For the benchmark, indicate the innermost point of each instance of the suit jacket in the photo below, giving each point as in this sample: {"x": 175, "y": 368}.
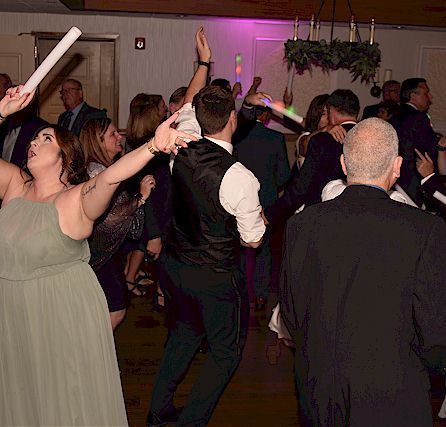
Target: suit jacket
{"x": 362, "y": 275}
{"x": 86, "y": 113}
{"x": 27, "y": 132}
{"x": 370, "y": 111}
{"x": 263, "y": 152}
{"x": 321, "y": 166}
{"x": 414, "y": 131}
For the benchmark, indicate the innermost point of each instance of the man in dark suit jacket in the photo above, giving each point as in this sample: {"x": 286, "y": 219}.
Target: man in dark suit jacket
{"x": 78, "y": 112}
{"x": 263, "y": 152}
{"x": 414, "y": 132}
{"x": 362, "y": 293}
{"x": 391, "y": 92}
{"x": 321, "y": 162}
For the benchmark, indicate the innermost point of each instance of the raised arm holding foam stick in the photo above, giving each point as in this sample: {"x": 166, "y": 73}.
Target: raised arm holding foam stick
{"x": 50, "y": 61}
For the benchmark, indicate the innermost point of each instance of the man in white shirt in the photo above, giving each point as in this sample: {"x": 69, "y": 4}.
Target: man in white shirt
{"x": 215, "y": 209}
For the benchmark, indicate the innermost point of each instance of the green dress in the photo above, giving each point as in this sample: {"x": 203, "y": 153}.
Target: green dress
{"x": 58, "y": 362}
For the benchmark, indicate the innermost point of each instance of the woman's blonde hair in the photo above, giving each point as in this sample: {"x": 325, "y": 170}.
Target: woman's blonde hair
{"x": 92, "y": 140}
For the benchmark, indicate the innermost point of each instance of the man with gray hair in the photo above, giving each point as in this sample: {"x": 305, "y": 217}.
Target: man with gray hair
{"x": 362, "y": 294}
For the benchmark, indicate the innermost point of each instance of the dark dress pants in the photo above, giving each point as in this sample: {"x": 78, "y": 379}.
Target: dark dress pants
{"x": 203, "y": 303}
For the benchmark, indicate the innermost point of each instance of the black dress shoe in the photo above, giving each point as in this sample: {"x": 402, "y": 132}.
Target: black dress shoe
{"x": 155, "y": 420}
{"x": 261, "y": 303}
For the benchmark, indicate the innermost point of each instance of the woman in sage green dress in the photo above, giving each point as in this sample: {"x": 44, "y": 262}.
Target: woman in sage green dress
{"x": 58, "y": 363}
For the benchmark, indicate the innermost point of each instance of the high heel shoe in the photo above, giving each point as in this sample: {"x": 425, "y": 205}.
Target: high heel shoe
{"x": 136, "y": 288}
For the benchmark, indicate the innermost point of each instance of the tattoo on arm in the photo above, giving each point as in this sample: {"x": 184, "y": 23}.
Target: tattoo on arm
{"x": 88, "y": 189}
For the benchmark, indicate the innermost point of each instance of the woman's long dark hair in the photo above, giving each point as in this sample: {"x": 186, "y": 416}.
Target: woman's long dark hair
{"x": 73, "y": 157}
{"x": 315, "y": 111}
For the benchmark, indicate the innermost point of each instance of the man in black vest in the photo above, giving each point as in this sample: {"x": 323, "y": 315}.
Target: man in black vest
{"x": 215, "y": 209}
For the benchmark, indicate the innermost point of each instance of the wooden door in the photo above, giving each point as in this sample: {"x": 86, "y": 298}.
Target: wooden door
{"x": 92, "y": 62}
{"x": 17, "y": 57}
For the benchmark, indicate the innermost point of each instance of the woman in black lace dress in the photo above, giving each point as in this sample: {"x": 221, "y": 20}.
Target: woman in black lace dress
{"x": 102, "y": 144}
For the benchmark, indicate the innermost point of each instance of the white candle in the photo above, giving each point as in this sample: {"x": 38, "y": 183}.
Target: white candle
{"x": 318, "y": 26}
{"x": 45, "y": 67}
{"x": 376, "y": 76}
{"x": 372, "y": 31}
{"x": 279, "y": 108}
{"x": 352, "y": 36}
{"x": 296, "y": 28}
{"x": 387, "y": 75}
{"x": 312, "y": 28}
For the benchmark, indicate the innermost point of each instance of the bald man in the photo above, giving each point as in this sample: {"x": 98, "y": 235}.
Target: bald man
{"x": 362, "y": 294}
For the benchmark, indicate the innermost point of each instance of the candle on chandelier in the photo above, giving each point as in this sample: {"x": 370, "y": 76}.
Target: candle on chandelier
{"x": 312, "y": 28}
{"x": 238, "y": 67}
{"x": 372, "y": 32}
{"x": 296, "y": 28}
{"x": 318, "y": 27}
{"x": 352, "y": 34}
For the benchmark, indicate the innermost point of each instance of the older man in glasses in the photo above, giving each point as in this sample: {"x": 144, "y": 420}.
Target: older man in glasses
{"x": 78, "y": 112}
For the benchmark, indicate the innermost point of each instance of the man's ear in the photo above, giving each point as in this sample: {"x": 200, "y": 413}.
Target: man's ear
{"x": 344, "y": 169}
{"x": 397, "y": 166}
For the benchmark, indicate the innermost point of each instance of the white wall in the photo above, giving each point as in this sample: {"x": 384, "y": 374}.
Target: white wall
{"x": 167, "y": 62}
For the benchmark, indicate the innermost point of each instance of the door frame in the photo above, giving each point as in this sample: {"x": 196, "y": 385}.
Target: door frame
{"x": 40, "y": 35}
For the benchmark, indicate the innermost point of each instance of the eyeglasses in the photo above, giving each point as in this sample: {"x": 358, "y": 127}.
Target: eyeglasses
{"x": 68, "y": 89}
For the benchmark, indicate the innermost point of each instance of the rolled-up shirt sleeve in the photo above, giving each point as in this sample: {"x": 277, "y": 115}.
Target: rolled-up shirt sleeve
{"x": 187, "y": 121}
{"x": 239, "y": 196}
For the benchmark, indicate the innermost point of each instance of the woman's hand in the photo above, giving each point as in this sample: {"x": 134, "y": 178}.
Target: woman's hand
{"x": 169, "y": 140}
{"x": 338, "y": 133}
{"x": 154, "y": 247}
{"x": 146, "y": 186}
{"x": 13, "y": 101}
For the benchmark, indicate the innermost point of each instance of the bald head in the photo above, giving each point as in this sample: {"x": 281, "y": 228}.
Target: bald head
{"x": 370, "y": 150}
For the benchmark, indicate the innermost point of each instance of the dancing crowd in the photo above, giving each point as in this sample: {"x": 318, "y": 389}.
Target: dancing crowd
{"x": 197, "y": 187}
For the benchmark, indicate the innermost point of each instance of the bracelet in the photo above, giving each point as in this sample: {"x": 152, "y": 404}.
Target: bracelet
{"x": 141, "y": 200}
{"x": 152, "y": 149}
{"x": 441, "y": 148}
{"x": 206, "y": 64}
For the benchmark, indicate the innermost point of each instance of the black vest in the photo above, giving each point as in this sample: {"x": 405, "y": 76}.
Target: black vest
{"x": 202, "y": 231}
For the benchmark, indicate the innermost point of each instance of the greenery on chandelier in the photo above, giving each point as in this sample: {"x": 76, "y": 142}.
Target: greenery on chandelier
{"x": 361, "y": 58}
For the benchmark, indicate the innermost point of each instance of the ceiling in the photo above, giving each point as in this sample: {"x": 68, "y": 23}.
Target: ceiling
{"x": 426, "y": 13}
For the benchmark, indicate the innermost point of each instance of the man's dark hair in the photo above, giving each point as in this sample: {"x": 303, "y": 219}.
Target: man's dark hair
{"x": 344, "y": 101}
{"x": 389, "y": 83}
{"x": 409, "y": 86}
{"x": 7, "y": 79}
{"x": 178, "y": 95}
{"x": 225, "y": 84}
{"x": 213, "y": 106}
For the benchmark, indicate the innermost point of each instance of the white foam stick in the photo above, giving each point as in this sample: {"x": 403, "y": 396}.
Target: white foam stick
{"x": 440, "y": 197}
{"x": 50, "y": 61}
{"x": 278, "y": 108}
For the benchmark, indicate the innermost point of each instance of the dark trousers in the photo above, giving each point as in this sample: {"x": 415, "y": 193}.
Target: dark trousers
{"x": 204, "y": 303}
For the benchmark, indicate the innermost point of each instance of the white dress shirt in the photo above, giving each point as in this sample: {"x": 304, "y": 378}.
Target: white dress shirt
{"x": 239, "y": 187}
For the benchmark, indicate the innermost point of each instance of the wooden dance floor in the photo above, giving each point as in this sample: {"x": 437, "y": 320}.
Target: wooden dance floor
{"x": 260, "y": 394}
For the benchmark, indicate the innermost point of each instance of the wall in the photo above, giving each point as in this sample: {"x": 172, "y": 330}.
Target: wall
{"x": 167, "y": 62}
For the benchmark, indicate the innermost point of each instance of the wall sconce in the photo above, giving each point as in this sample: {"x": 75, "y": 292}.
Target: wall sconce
{"x": 376, "y": 90}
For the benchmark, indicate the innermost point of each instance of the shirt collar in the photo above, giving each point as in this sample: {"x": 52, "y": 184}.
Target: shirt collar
{"x": 413, "y": 106}
{"x": 223, "y": 144}
{"x": 349, "y": 122}
{"x": 76, "y": 109}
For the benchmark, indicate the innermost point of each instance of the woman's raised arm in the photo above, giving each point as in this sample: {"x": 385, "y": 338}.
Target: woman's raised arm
{"x": 10, "y": 104}
{"x": 98, "y": 191}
